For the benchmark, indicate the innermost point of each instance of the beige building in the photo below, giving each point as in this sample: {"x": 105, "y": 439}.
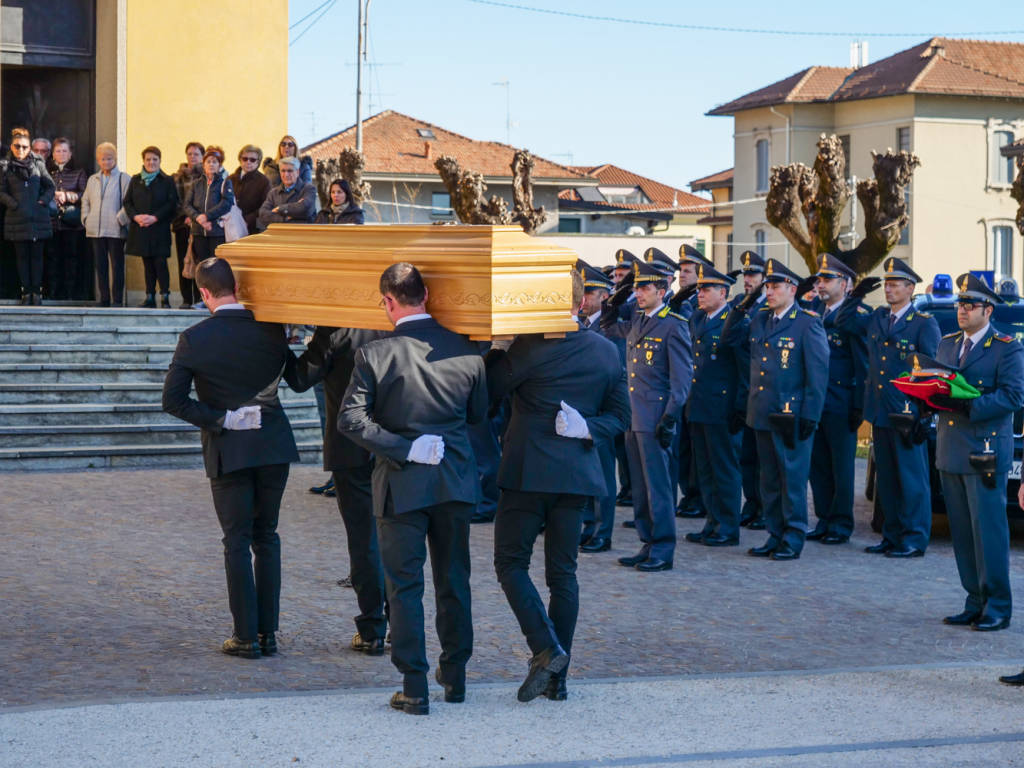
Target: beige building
{"x": 719, "y": 186}
{"x": 953, "y": 103}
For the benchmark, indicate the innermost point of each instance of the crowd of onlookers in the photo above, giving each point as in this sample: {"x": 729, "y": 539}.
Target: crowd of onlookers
{"x": 69, "y": 232}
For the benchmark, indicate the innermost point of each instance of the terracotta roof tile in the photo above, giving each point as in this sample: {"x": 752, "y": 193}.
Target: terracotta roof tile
{"x": 661, "y": 195}
{"x": 714, "y": 181}
{"x": 807, "y": 85}
{"x": 392, "y": 144}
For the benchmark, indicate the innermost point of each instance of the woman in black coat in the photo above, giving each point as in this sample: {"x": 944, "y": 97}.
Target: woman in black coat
{"x": 341, "y": 210}
{"x": 64, "y": 267}
{"x": 151, "y": 203}
{"x": 26, "y": 192}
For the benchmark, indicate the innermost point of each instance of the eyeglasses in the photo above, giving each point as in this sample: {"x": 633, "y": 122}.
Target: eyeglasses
{"x": 20, "y": 146}
{"x": 287, "y": 143}
{"x": 250, "y": 159}
{"x": 969, "y": 306}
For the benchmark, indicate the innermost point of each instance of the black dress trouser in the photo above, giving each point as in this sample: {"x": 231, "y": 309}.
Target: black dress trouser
{"x": 404, "y": 540}
{"x": 248, "y": 502}
{"x": 108, "y": 253}
{"x": 189, "y": 292}
{"x": 30, "y": 265}
{"x": 354, "y": 493}
{"x": 521, "y": 515}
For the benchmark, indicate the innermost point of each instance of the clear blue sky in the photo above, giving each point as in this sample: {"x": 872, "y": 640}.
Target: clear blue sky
{"x": 610, "y": 92}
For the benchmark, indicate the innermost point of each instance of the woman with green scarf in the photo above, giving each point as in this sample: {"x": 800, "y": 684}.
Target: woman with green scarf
{"x": 151, "y": 202}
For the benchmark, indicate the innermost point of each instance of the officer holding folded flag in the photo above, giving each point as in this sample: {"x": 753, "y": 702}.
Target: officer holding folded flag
{"x": 788, "y": 379}
{"x": 974, "y": 452}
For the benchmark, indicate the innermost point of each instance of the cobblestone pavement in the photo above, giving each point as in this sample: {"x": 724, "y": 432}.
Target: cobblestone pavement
{"x": 113, "y": 587}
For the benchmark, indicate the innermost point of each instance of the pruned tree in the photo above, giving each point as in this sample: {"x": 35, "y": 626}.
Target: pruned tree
{"x": 348, "y": 165}
{"x": 523, "y": 213}
{"x": 467, "y": 192}
{"x": 1017, "y": 192}
{"x": 806, "y": 204}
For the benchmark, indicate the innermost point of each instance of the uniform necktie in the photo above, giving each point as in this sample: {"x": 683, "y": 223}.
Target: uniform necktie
{"x": 775, "y": 322}
{"x": 967, "y": 348}
{"x": 892, "y": 321}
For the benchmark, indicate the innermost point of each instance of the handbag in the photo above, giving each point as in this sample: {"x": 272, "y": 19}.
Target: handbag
{"x": 69, "y": 216}
{"x": 233, "y": 224}
{"x": 188, "y": 268}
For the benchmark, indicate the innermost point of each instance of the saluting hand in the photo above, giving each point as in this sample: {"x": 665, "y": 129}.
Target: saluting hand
{"x": 864, "y": 287}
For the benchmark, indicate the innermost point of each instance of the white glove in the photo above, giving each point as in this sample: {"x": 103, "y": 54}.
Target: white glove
{"x": 569, "y": 423}
{"x": 246, "y": 417}
{"x": 427, "y": 449}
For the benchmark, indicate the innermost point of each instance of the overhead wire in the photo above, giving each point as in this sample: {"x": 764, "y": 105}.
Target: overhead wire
{"x": 329, "y": 4}
{"x": 293, "y": 26}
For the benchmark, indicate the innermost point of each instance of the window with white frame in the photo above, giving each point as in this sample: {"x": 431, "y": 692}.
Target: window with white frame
{"x": 763, "y": 164}
{"x": 1002, "y": 167}
{"x": 903, "y": 138}
{"x": 759, "y": 242}
{"x": 1002, "y": 250}
{"x": 728, "y": 253}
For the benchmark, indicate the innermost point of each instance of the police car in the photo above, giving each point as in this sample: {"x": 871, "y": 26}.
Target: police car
{"x": 1008, "y": 318}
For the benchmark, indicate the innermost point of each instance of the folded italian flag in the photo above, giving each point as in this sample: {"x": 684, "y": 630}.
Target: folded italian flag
{"x": 933, "y": 378}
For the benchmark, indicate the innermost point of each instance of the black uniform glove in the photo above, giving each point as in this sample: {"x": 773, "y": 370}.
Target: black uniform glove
{"x": 735, "y": 274}
{"x": 805, "y": 285}
{"x": 748, "y": 301}
{"x": 665, "y": 431}
{"x": 621, "y": 293}
{"x": 807, "y": 427}
{"x": 737, "y": 421}
{"x": 677, "y": 300}
{"x": 958, "y": 404}
{"x": 920, "y": 431}
{"x": 864, "y": 287}
{"x": 855, "y": 419}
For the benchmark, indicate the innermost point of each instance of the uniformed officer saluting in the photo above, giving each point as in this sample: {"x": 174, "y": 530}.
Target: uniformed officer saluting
{"x": 788, "y": 370}
{"x": 719, "y": 390}
{"x": 658, "y": 359}
{"x": 835, "y": 442}
{"x": 974, "y": 451}
{"x": 892, "y": 335}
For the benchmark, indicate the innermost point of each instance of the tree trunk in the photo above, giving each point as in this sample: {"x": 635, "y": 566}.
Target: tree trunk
{"x": 524, "y": 214}
{"x": 466, "y": 190}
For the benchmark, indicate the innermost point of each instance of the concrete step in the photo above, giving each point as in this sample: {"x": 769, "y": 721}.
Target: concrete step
{"x": 104, "y": 435}
{"x": 162, "y": 456}
{"x": 100, "y": 392}
{"x": 76, "y": 334}
{"x": 86, "y": 353}
{"x": 76, "y": 373}
{"x": 87, "y": 317}
{"x": 74, "y": 414}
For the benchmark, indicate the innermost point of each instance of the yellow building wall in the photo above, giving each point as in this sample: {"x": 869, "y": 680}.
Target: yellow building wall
{"x": 214, "y": 72}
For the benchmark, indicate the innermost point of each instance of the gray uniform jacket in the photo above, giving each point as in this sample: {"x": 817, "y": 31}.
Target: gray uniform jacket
{"x": 584, "y": 370}
{"x": 421, "y": 380}
{"x": 995, "y": 367}
{"x": 659, "y": 366}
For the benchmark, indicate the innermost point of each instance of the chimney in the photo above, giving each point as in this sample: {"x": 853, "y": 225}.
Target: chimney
{"x": 426, "y": 149}
{"x": 859, "y": 54}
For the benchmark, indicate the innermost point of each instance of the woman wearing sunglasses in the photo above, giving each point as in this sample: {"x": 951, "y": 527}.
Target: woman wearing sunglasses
{"x": 251, "y": 186}
{"x": 288, "y": 147}
{"x": 26, "y": 192}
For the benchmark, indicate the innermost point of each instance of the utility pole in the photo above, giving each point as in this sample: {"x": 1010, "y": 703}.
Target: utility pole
{"x": 363, "y": 21}
{"x": 507, "y": 85}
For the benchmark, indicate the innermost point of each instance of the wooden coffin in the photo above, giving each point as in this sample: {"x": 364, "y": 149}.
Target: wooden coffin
{"x": 483, "y": 281}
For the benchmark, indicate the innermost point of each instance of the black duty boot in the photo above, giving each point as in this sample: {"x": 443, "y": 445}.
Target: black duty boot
{"x": 26, "y": 299}
{"x": 165, "y": 300}
{"x": 150, "y": 302}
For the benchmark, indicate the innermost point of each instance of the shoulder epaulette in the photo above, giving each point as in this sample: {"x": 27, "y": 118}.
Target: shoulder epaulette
{"x": 676, "y": 315}
{"x": 1002, "y": 337}
{"x": 863, "y": 311}
{"x": 665, "y": 311}
{"x": 764, "y": 309}
{"x": 810, "y": 312}
{"x": 925, "y": 315}
{"x": 951, "y": 335}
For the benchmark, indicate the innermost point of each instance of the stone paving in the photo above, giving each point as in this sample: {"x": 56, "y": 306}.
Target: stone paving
{"x": 113, "y": 588}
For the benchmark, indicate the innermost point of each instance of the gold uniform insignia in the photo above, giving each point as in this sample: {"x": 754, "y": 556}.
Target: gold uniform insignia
{"x": 890, "y": 265}
{"x": 963, "y": 285}
{"x": 824, "y": 261}
{"x": 746, "y": 260}
{"x": 917, "y": 364}
{"x": 700, "y": 272}
{"x": 770, "y": 263}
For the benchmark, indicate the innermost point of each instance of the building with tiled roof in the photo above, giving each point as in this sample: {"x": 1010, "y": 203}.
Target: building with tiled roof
{"x": 400, "y": 152}
{"x": 954, "y": 103}
{"x": 719, "y": 218}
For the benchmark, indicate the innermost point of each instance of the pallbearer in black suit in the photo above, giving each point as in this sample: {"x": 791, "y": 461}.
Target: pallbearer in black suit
{"x": 409, "y": 401}
{"x": 330, "y": 357}
{"x": 623, "y": 267}
{"x": 719, "y": 390}
{"x": 835, "y": 442}
{"x": 974, "y": 451}
{"x": 599, "y": 512}
{"x": 568, "y": 401}
{"x": 658, "y": 360}
{"x": 752, "y": 516}
{"x": 788, "y": 378}
{"x": 899, "y": 430}
{"x": 236, "y": 364}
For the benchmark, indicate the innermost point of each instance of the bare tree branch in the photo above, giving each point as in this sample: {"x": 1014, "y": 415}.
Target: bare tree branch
{"x": 524, "y": 214}
{"x": 466, "y": 190}
{"x": 783, "y": 205}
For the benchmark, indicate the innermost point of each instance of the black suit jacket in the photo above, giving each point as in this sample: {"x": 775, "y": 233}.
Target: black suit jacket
{"x": 421, "y": 380}
{"x": 584, "y": 370}
{"x": 330, "y": 358}
{"x": 234, "y": 361}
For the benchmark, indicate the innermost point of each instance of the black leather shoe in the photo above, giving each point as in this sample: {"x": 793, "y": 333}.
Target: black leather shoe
{"x": 452, "y": 694}
{"x": 962, "y": 619}
{"x": 986, "y": 623}
{"x": 373, "y": 647}
{"x": 691, "y": 512}
{"x": 904, "y": 553}
{"x": 556, "y": 690}
{"x": 409, "y": 705}
{"x": 757, "y": 524}
{"x": 784, "y": 552}
{"x": 697, "y": 537}
{"x": 246, "y": 649}
{"x": 597, "y": 544}
{"x": 629, "y": 523}
{"x": 330, "y": 493}
{"x": 346, "y": 582}
{"x": 1012, "y": 679}
{"x": 319, "y": 489}
{"x": 817, "y": 535}
{"x": 268, "y": 644}
{"x": 585, "y": 537}
{"x": 623, "y": 501}
{"x": 718, "y": 540}
{"x": 631, "y": 561}
{"x": 766, "y": 549}
{"x": 835, "y": 538}
{"x": 880, "y": 548}
{"x": 652, "y": 564}
{"x": 545, "y": 665}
